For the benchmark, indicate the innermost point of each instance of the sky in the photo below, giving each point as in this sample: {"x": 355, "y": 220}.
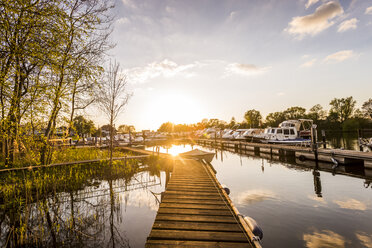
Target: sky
{"x": 186, "y": 60}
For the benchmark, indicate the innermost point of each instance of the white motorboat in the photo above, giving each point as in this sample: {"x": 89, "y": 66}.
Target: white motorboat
{"x": 250, "y": 133}
{"x": 228, "y": 134}
{"x": 198, "y": 155}
{"x": 303, "y": 126}
{"x": 365, "y": 144}
{"x": 238, "y": 134}
{"x": 282, "y": 135}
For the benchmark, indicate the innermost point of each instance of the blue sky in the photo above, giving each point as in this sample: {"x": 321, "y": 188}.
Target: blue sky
{"x": 193, "y": 59}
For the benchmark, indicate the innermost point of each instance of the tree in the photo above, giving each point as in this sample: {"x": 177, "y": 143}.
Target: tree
{"x": 126, "y": 128}
{"x": 113, "y": 97}
{"x": 294, "y": 113}
{"x": 317, "y": 113}
{"x": 166, "y": 127}
{"x": 253, "y": 118}
{"x": 342, "y": 108}
{"x": 232, "y": 122}
{"x": 83, "y": 126}
{"x": 274, "y": 119}
{"x": 367, "y": 108}
{"x": 83, "y": 43}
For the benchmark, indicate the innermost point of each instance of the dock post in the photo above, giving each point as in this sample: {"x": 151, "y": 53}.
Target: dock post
{"x": 324, "y": 139}
{"x": 359, "y": 139}
{"x": 314, "y": 141}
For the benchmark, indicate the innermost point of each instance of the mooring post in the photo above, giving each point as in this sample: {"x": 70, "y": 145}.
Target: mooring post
{"x": 324, "y": 139}
{"x": 215, "y": 138}
{"x": 314, "y": 141}
{"x": 359, "y": 139}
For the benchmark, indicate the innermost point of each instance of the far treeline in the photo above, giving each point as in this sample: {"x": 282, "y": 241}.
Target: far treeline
{"x": 342, "y": 116}
{"x": 52, "y": 65}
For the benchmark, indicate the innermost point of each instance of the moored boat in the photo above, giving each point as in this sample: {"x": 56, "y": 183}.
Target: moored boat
{"x": 198, "y": 155}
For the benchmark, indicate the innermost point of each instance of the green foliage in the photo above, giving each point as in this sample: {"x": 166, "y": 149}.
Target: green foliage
{"x": 342, "y": 108}
{"x": 274, "y": 119}
{"x": 294, "y": 113}
{"x": 50, "y": 59}
{"x": 253, "y": 118}
{"x": 126, "y": 129}
{"x": 367, "y": 108}
{"x": 317, "y": 113}
{"x": 83, "y": 126}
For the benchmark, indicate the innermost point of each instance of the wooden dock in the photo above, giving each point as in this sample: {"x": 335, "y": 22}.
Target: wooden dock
{"x": 325, "y": 155}
{"x": 195, "y": 210}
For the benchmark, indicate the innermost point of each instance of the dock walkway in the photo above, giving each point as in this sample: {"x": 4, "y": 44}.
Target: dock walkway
{"x": 195, "y": 211}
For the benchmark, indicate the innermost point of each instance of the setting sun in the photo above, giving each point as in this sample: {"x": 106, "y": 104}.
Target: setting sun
{"x": 173, "y": 107}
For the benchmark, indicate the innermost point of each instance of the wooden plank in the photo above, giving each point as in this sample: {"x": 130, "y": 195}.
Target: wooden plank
{"x": 198, "y": 235}
{"x": 182, "y": 225}
{"x": 196, "y": 206}
{"x": 190, "y": 193}
{"x": 194, "y": 201}
{"x": 192, "y": 189}
{"x": 219, "y": 212}
{"x": 191, "y": 184}
{"x": 194, "y": 181}
{"x": 201, "y": 244}
{"x": 195, "y": 218}
{"x": 194, "y": 196}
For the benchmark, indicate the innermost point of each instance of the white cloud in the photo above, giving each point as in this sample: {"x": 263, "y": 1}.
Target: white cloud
{"x": 245, "y": 69}
{"x": 348, "y": 24}
{"x": 165, "y": 68}
{"x": 315, "y": 23}
{"x": 339, "y": 56}
{"x": 309, "y": 63}
{"x": 311, "y": 2}
{"x": 232, "y": 16}
{"x": 368, "y": 11}
{"x": 123, "y": 21}
{"x": 170, "y": 10}
{"x": 129, "y": 3}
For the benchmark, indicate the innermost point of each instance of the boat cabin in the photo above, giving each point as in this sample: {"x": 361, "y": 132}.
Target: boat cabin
{"x": 281, "y": 133}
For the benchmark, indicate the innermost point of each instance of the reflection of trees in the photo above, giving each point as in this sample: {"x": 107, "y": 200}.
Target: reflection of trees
{"x": 73, "y": 206}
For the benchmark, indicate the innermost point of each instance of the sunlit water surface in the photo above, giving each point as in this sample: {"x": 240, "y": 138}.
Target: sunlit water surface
{"x": 296, "y": 206}
{"x": 111, "y": 213}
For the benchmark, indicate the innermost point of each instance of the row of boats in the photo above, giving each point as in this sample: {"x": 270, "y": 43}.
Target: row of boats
{"x": 288, "y": 132}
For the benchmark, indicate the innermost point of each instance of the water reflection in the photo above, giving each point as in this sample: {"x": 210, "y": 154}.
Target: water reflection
{"x": 365, "y": 239}
{"x": 351, "y": 204}
{"x": 84, "y": 206}
{"x": 317, "y": 182}
{"x": 298, "y": 203}
{"x": 324, "y": 238}
{"x": 254, "y": 196}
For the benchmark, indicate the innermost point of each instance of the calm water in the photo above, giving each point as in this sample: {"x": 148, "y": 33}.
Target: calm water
{"x": 295, "y": 205}
{"x": 298, "y": 206}
{"x": 116, "y": 211}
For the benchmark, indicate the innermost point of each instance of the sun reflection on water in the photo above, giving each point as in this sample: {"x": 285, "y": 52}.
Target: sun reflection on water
{"x": 174, "y": 150}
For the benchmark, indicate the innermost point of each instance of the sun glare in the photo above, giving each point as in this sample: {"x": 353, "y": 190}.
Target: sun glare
{"x": 176, "y": 108}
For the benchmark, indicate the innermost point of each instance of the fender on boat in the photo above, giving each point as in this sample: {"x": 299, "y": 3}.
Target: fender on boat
{"x": 255, "y": 228}
{"x": 227, "y": 190}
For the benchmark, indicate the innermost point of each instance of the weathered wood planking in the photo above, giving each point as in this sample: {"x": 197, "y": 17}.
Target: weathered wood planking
{"x": 194, "y": 212}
